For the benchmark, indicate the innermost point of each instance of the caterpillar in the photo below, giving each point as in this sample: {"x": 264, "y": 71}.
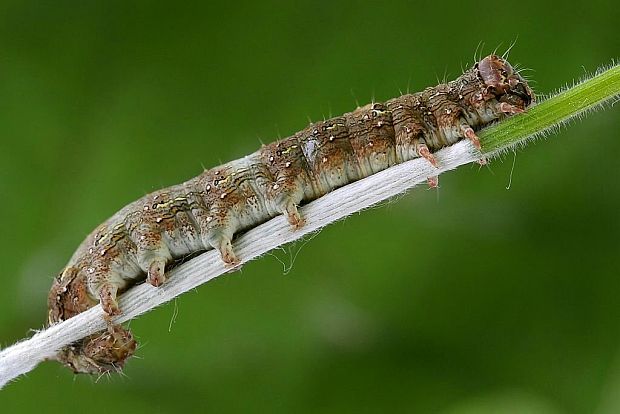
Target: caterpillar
{"x": 142, "y": 239}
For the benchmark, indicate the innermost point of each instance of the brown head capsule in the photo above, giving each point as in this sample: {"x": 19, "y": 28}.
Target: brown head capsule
{"x": 504, "y": 83}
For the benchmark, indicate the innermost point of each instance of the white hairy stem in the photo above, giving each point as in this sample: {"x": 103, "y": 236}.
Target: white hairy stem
{"x": 588, "y": 95}
{"x": 22, "y": 357}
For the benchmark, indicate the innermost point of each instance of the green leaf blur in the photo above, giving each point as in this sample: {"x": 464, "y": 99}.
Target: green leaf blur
{"x": 467, "y": 299}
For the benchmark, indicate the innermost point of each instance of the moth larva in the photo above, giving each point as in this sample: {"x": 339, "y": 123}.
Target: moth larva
{"x": 206, "y": 211}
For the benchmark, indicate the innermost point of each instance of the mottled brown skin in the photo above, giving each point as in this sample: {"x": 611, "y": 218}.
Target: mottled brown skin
{"x": 98, "y": 353}
{"x": 206, "y": 211}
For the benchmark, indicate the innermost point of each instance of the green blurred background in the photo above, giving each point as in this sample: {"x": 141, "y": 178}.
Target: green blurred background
{"x": 469, "y": 299}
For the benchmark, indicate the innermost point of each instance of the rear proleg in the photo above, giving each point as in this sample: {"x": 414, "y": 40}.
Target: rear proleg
{"x": 152, "y": 255}
{"x": 286, "y": 196}
{"x": 221, "y": 240}
{"x": 107, "y": 297}
{"x": 290, "y": 211}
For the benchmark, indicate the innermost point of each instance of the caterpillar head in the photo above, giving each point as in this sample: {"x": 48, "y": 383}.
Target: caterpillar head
{"x": 504, "y": 83}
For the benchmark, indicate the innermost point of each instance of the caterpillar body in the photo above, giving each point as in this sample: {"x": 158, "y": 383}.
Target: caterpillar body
{"x": 205, "y": 212}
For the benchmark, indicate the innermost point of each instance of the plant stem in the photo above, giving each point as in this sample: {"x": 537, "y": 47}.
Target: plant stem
{"x": 553, "y": 112}
{"x": 604, "y": 87}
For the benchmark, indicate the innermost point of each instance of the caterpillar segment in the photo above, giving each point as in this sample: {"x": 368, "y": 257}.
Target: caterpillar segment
{"x": 206, "y": 212}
